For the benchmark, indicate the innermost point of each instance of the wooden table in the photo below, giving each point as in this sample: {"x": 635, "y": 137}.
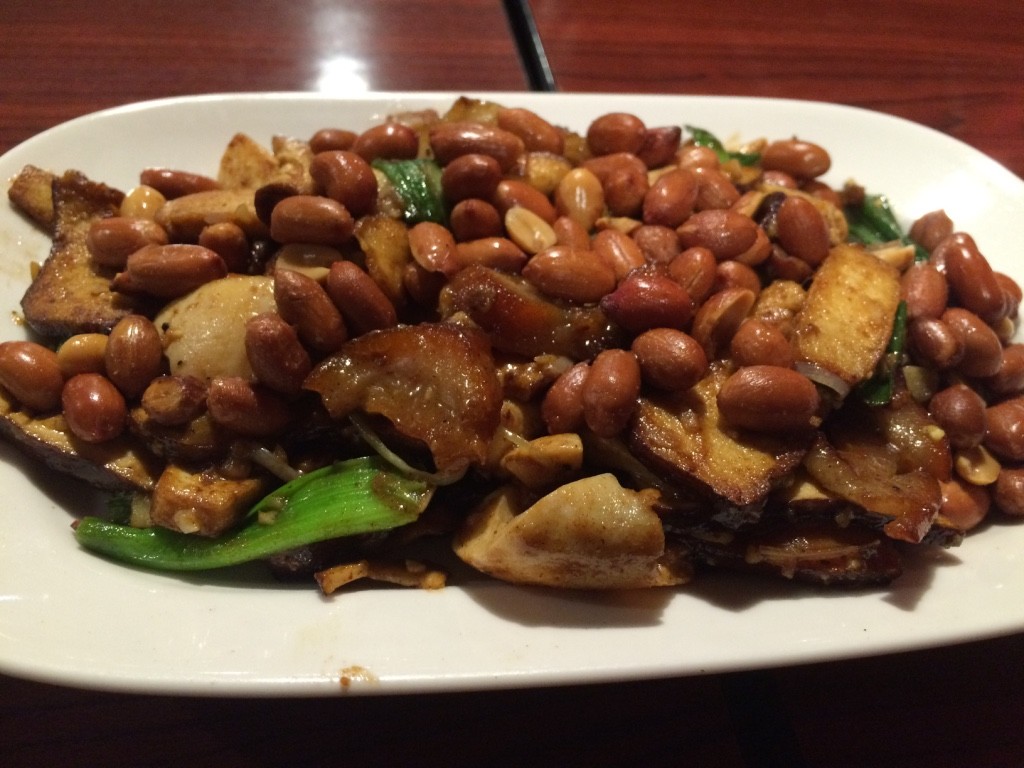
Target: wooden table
{"x": 950, "y": 65}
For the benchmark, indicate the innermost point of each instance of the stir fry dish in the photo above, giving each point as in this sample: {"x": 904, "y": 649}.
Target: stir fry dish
{"x": 612, "y": 356}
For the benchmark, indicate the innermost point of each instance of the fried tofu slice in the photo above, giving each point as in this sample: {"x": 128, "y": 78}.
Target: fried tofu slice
{"x": 847, "y": 318}
{"x": 31, "y": 192}
{"x": 71, "y": 293}
{"x": 202, "y": 502}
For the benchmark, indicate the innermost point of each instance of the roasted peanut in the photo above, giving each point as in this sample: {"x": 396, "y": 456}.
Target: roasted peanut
{"x": 472, "y": 218}
{"x": 610, "y": 391}
{"x": 570, "y": 232}
{"x": 768, "y": 398}
{"x": 934, "y": 342}
{"x": 960, "y": 411}
{"x": 1012, "y": 293}
{"x": 670, "y": 200}
{"x": 134, "y": 355}
{"x": 332, "y": 139}
{"x": 470, "y": 176}
{"x": 174, "y": 400}
{"x": 304, "y": 303}
{"x": 513, "y": 193}
{"x": 624, "y": 182}
{"x": 781, "y": 266}
{"x": 390, "y": 140}
{"x": 538, "y": 134}
{"x": 1005, "y": 423}
{"x": 800, "y": 159}
{"x": 230, "y": 242}
{"x": 983, "y": 351}
{"x": 694, "y": 156}
{"x": 246, "y": 409}
{"x": 169, "y": 271}
{"x": 616, "y": 132}
{"x": 931, "y": 229}
{"x": 313, "y": 261}
{"x": 1008, "y": 491}
{"x": 311, "y": 219}
{"x": 93, "y": 407}
{"x": 571, "y": 274}
{"x": 714, "y": 190}
{"x": 31, "y": 373}
{"x": 562, "y": 407}
{"x": 734, "y": 274}
{"x": 580, "y": 196}
{"x": 494, "y": 252}
{"x": 669, "y": 359}
{"x": 925, "y": 290}
{"x": 346, "y": 177}
{"x": 277, "y": 357}
{"x": 695, "y": 270}
{"x": 113, "y": 239}
{"x": 528, "y": 230}
{"x": 82, "y": 353}
{"x": 963, "y": 505}
{"x": 363, "y": 305}
{"x": 976, "y": 465}
{"x": 172, "y": 183}
{"x": 802, "y": 230}
{"x": 659, "y": 145}
{"x": 141, "y": 202}
{"x": 725, "y": 233}
{"x": 658, "y": 244}
{"x": 971, "y": 279}
{"x": 433, "y": 247}
{"x": 619, "y": 250}
{"x": 1009, "y": 379}
{"x": 648, "y": 298}
{"x": 450, "y": 140}
{"x": 718, "y": 319}
{"x": 757, "y": 342}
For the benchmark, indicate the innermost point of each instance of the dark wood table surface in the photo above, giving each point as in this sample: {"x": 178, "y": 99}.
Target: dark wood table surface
{"x": 954, "y": 66}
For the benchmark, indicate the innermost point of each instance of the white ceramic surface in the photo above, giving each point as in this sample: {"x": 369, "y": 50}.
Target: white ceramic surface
{"x": 70, "y": 617}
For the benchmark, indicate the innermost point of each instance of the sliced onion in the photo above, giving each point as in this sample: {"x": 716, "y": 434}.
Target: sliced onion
{"x": 374, "y": 441}
{"x": 826, "y": 378}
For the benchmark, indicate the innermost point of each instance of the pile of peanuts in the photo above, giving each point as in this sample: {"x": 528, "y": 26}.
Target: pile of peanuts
{"x": 672, "y": 244}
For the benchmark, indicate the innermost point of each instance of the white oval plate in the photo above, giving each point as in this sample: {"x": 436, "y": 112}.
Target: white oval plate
{"x": 70, "y": 617}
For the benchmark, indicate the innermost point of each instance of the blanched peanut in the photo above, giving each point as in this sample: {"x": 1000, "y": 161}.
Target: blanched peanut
{"x": 472, "y": 218}
{"x": 142, "y": 202}
{"x": 169, "y": 271}
{"x": 304, "y": 303}
{"x": 112, "y": 240}
{"x": 734, "y": 274}
{"x": 82, "y": 353}
{"x": 767, "y": 398}
{"x": 1009, "y": 379}
{"x": 230, "y": 242}
{"x": 971, "y": 279}
{"x": 246, "y": 409}
{"x": 963, "y": 505}
{"x": 31, "y": 373}
{"x": 802, "y": 230}
{"x": 580, "y": 196}
{"x": 275, "y": 353}
{"x": 725, "y": 233}
{"x": 657, "y": 243}
{"x": 670, "y": 200}
{"x": 659, "y": 145}
{"x": 960, "y": 411}
{"x": 538, "y": 134}
{"x": 528, "y": 230}
{"x": 619, "y": 250}
{"x": 450, "y": 140}
{"x": 433, "y": 248}
{"x": 470, "y": 176}
{"x": 172, "y": 183}
{"x": 616, "y": 132}
{"x": 718, "y": 319}
{"x": 572, "y": 274}
{"x": 648, "y": 298}
{"x": 800, "y": 159}
{"x": 669, "y": 359}
{"x": 363, "y": 304}
{"x": 976, "y": 465}
{"x": 983, "y": 352}
{"x": 330, "y": 139}
{"x": 695, "y": 270}
{"x": 1008, "y": 492}
{"x": 562, "y": 407}
{"x": 390, "y": 141}
{"x": 610, "y": 391}
{"x": 311, "y": 219}
{"x": 134, "y": 354}
{"x": 347, "y": 178}
{"x": 925, "y": 290}
{"x": 94, "y": 409}
{"x": 757, "y": 342}
{"x": 934, "y": 342}
{"x": 931, "y": 229}
{"x": 714, "y": 190}
{"x": 174, "y": 400}
{"x": 513, "y": 193}
{"x": 1005, "y": 435}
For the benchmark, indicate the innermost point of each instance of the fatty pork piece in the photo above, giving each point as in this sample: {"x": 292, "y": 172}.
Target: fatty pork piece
{"x": 436, "y": 383}
{"x": 588, "y": 534}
